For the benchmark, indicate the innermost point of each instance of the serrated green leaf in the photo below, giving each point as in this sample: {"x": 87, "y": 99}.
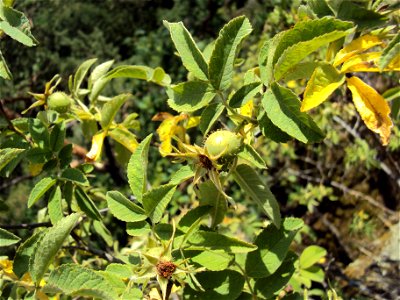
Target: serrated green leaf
{"x": 253, "y": 186}
{"x": 269, "y": 130}
{"x": 39, "y": 133}
{"x": 86, "y": 204}
{"x": 251, "y": 155}
{"x": 225, "y": 50}
{"x": 7, "y": 155}
{"x": 302, "y": 70}
{"x": 4, "y": 70}
{"x": 49, "y": 245}
{"x": 390, "y": 52}
{"x": 65, "y": 156}
{"x": 211, "y": 196}
{"x": 123, "y": 136}
{"x": 270, "y": 286}
{"x": 244, "y": 94}
{"x": 209, "y": 116}
{"x": 18, "y": 20}
{"x": 207, "y": 240}
{"x": 311, "y": 255}
{"x": 75, "y": 176}
{"x": 103, "y": 232}
{"x": 189, "y": 96}
{"x": 55, "y": 205}
{"x": 57, "y": 137}
{"x": 221, "y": 285}
{"x": 191, "y": 56}
{"x": 110, "y": 109}
{"x": 323, "y": 82}
{"x": 156, "y": 200}
{"x": 123, "y": 209}
{"x": 216, "y": 260}
{"x": 137, "y": 168}
{"x": 7, "y": 238}
{"x": 304, "y": 38}
{"x": 273, "y": 245}
{"x": 38, "y": 155}
{"x": 24, "y": 252}
{"x": 283, "y": 109}
{"x": 320, "y": 8}
{"x": 183, "y": 174}
{"x": 40, "y": 189}
{"x": 16, "y": 34}
{"x": 76, "y": 280}
{"x": 81, "y": 73}
{"x": 121, "y": 270}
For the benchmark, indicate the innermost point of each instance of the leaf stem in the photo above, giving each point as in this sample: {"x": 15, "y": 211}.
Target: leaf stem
{"x": 234, "y": 112}
{"x": 246, "y": 278}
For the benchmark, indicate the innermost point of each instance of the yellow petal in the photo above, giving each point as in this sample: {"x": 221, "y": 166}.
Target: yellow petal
{"x": 361, "y": 44}
{"x": 323, "y": 82}
{"x": 372, "y": 107}
{"x": 368, "y": 62}
{"x": 97, "y": 146}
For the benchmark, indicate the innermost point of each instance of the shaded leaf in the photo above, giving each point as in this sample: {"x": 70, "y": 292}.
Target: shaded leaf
{"x": 57, "y": 137}
{"x": 251, "y": 155}
{"x": 86, "y": 204}
{"x": 4, "y": 70}
{"x": 269, "y": 130}
{"x": 253, "y": 186}
{"x": 273, "y": 245}
{"x": 372, "y": 107}
{"x": 74, "y": 175}
{"x": 24, "y": 252}
{"x": 283, "y": 109}
{"x": 211, "y": 196}
{"x": 244, "y": 94}
{"x": 39, "y": 133}
{"x": 209, "y": 116}
{"x": 216, "y": 260}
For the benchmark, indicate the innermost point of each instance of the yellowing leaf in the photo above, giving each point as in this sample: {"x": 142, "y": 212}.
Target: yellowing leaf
{"x": 372, "y": 107}
{"x": 6, "y": 266}
{"x": 323, "y": 82}
{"x": 168, "y": 129}
{"x": 359, "y": 45}
{"x": 368, "y": 62}
{"x": 97, "y": 146}
{"x": 192, "y": 122}
{"x": 247, "y": 110}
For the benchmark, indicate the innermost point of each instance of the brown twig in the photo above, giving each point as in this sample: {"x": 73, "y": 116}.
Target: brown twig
{"x": 29, "y": 226}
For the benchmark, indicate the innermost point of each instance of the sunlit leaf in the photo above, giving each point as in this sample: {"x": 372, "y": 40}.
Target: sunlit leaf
{"x": 356, "y": 46}
{"x": 324, "y": 81}
{"x": 372, "y": 107}
{"x": 97, "y": 146}
{"x": 368, "y": 62}
{"x": 7, "y": 238}
{"x": 390, "y": 52}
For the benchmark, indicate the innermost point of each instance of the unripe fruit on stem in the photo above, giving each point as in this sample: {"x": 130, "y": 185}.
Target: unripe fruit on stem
{"x": 59, "y": 102}
{"x": 222, "y": 143}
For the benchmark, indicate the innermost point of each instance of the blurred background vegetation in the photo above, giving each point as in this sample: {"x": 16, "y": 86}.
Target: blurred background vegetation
{"x": 347, "y": 188}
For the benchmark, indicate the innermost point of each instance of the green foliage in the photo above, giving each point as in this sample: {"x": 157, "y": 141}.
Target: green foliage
{"x": 179, "y": 224}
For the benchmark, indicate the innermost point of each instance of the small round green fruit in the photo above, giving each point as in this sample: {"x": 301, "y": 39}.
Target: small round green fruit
{"x": 59, "y": 102}
{"x": 222, "y": 144}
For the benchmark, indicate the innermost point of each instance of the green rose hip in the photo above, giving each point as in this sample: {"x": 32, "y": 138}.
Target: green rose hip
{"x": 59, "y": 102}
